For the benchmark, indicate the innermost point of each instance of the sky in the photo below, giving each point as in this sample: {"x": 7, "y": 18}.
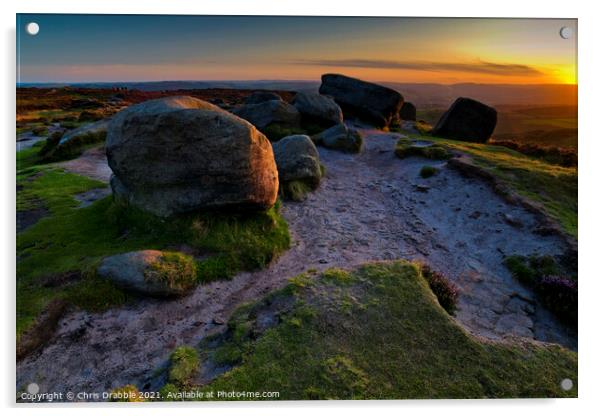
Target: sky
{"x": 96, "y": 48}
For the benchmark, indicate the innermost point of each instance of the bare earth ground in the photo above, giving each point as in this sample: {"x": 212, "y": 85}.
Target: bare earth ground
{"x": 368, "y": 208}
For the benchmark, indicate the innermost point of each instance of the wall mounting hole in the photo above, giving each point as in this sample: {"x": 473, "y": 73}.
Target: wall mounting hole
{"x": 32, "y": 28}
{"x": 566, "y": 32}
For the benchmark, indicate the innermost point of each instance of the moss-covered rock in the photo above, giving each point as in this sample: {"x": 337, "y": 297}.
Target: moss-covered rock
{"x": 151, "y": 272}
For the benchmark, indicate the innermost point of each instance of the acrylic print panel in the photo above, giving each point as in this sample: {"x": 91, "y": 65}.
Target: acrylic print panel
{"x": 293, "y": 208}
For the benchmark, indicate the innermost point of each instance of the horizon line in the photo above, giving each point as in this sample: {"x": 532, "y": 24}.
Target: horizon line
{"x": 287, "y": 80}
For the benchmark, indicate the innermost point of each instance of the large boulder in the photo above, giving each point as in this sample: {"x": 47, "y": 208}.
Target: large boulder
{"x": 181, "y": 154}
{"x": 150, "y": 272}
{"x": 340, "y": 137}
{"x": 467, "y": 120}
{"x": 299, "y": 168}
{"x": 262, "y": 96}
{"x": 316, "y": 108}
{"x": 270, "y": 112}
{"x": 407, "y": 112}
{"x": 371, "y": 102}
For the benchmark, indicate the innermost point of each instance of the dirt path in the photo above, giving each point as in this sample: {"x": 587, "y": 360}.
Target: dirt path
{"x": 368, "y": 208}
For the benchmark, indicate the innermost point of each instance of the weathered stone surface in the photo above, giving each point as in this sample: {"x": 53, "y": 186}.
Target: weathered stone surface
{"x": 262, "y": 96}
{"x": 467, "y": 120}
{"x": 340, "y": 137}
{"x": 408, "y": 112}
{"x": 134, "y": 272}
{"x": 269, "y": 112}
{"x": 371, "y": 102}
{"x": 297, "y": 159}
{"x": 180, "y": 154}
{"x": 318, "y": 108}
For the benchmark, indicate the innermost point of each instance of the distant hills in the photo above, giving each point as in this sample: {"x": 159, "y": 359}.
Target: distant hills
{"x": 426, "y": 95}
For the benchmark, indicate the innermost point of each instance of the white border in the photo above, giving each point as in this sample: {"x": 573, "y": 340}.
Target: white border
{"x": 590, "y": 151}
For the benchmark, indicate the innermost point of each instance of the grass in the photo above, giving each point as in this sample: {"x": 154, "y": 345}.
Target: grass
{"x": 184, "y": 365}
{"x": 555, "y": 286}
{"x": 74, "y": 147}
{"x": 72, "y": 240}
{"x": 404, "y": 148}
{"x": 551, "y": 186}
{"x": 378, "y": 332}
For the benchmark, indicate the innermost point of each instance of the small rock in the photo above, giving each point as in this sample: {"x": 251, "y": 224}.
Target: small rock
{"x": 512, "y": 220}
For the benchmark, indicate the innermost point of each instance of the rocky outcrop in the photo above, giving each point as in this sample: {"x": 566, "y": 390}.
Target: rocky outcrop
{"x": 319, "y": 109}
{"x": 150, "y": 272}
{"x": 262, "y": 96}
{"x": 340, "y": 137}
{"x": 467, "y": 120}
{"x": 407, "y": 112}
{"x": 181, "y": 154}
{"x": 370, "y": 102}
{"x": 269, "y": 113}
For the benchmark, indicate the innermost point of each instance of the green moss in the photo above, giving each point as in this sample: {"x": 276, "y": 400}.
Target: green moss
{"x": 275, "y": 132}
{"x": 394, "y": 342}
{"x": 72, "y": 240}
{"x": 177, "y": 270}
{"x": 405, "y": 148}
{"x": 295, "y": 190}
{"x": 428, "y": 171}
{"x": 184, "y": 365}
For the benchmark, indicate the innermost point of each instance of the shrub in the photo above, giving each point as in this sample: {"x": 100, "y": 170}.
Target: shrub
{"x": 521, "y": 270}
{"x": 184, "y": 365}
{"x": 73, "y": 147}
{"x": 560, "y": 296}
{"x": 51, "y": 143}
{"x": 551, "y": 154}
{"x": 445, "y": 291}
{"x": 428, "y": 171}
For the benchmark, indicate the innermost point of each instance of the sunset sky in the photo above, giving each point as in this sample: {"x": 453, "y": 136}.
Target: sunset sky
{"x": 82, "y": 48}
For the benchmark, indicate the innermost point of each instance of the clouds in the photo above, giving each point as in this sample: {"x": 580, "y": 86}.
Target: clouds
{"x": 482, "y": 67}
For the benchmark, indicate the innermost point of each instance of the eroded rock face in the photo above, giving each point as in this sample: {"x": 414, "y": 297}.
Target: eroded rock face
{"x": 262, "y": 96}
{"x": 318, "y": 108}
{"x": 297, "y": 159}
{"x": 467, "y": 120}
{"x": 181, "y": 154}
{"x": 270, "y": 112}
{"x": 136, "y": 271}
{"x": 371, "y": 102}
